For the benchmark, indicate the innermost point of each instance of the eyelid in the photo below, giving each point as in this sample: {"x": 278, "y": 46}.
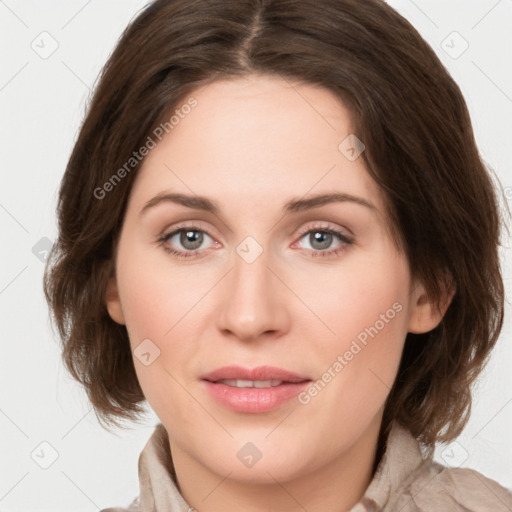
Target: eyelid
{"x": 190, "y": 224}
{"x": 327, "y": 226}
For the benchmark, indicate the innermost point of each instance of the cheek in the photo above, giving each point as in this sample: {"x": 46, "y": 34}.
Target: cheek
{"x": 153, "y": 295}
{"x": 359, "y": 296}
{"x": 160, "y": 306}
{"x": 361, "y": 336}
{"x": 156, "y": 319}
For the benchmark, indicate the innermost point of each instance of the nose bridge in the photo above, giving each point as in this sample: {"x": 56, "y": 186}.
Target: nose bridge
{"x": 251, "y": 305}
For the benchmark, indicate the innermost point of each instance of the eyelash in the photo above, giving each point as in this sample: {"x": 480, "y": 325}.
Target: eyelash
{"x": 346, "y": 240}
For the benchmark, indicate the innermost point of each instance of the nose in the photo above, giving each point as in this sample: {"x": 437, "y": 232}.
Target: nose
{"x": 253, "y": 304}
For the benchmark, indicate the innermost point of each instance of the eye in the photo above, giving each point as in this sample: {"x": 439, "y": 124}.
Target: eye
{"x": 190, "y": 238}
{"x": 321, "y": 238}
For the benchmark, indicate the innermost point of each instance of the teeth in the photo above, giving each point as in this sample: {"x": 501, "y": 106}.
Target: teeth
{"x": 250, "y": 383}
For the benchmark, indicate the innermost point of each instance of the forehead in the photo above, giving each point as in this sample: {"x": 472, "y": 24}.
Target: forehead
{"x": 254, "y": 140}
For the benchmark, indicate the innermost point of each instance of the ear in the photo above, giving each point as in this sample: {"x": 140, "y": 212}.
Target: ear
{"x": 113, "y": 302}
{"x": 424, "y": 314}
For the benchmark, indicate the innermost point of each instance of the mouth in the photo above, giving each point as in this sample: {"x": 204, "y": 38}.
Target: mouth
{"x": 249, "y": 383}
{"x": 257, "y": 390}
{"x": 261, "y": 376}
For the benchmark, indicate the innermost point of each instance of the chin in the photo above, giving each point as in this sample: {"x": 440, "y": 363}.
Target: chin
{"x": 260, "y": 465}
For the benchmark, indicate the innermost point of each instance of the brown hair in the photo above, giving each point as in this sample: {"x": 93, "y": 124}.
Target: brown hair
{"x": 420, "y": 150}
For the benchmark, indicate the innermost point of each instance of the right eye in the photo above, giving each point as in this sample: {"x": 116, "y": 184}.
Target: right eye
{"x": 190, "y": 238}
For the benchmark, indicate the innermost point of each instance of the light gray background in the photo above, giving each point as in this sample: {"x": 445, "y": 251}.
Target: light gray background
{"x": 42, "y": 102}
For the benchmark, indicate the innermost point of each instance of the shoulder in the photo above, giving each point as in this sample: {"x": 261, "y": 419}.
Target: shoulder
{"x": 409, "y": 480}
{"x": 436, "y": 487}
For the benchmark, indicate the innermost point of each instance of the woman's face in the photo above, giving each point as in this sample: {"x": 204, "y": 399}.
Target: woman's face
{"x": 264, "y": 280}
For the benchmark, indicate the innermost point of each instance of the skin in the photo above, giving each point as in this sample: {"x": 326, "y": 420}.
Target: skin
{"x": 251, "y": 145}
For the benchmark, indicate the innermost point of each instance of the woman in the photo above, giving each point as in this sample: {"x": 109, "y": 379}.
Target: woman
{"x": 276, "y": 228}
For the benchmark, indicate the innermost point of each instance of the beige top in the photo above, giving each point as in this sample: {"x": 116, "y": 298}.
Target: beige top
{"x": 404, "y": 481}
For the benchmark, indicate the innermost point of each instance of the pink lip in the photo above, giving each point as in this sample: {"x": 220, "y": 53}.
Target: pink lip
{"x": 258, "y": 373}
{"x": 254, "y": 400}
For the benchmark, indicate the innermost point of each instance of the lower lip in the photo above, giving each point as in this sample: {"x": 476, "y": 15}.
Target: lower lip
{"x": 254, "y": 400}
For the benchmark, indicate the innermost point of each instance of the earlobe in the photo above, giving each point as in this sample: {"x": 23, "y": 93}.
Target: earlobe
{"x": 424, "y": 314}
{"x": 113, "y": 302}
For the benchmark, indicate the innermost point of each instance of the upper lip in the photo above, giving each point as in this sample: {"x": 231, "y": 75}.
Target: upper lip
{"x": 258, "y": 373}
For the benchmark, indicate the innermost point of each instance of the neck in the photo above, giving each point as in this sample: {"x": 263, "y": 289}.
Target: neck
{"x": 336, "y": 485}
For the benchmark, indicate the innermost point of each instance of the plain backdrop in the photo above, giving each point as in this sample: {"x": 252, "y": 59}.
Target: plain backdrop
{"x": 54, "y": 456}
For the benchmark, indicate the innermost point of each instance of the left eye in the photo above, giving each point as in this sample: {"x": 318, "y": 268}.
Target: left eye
{"x": 321, "y": 239}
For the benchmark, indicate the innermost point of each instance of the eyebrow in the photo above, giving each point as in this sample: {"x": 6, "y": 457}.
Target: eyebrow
{"x": 292, "y": 206}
